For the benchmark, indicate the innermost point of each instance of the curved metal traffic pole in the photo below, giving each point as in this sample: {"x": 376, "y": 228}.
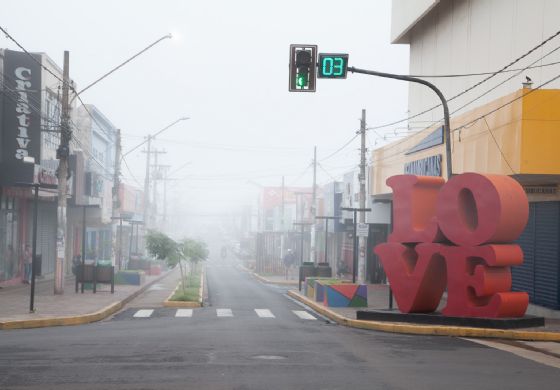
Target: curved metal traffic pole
{"x": 446, "y": 125}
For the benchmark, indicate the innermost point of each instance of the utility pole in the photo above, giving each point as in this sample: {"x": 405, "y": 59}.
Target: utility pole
{"x": 116, "y": 201}
{"x": 147, "y": 183}
{"x": 165, "y": 179}
{"x": 282, "y": 222}
{"x": 63, "y": 152}
{"x": 312, "y": 257}
{"x": 157, "y": 177}
{"x": 362, "y": 179}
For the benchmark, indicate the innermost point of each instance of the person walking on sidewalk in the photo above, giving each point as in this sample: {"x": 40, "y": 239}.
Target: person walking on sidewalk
{"x": 27, "y": 263}
{"x": 289, "y": 260}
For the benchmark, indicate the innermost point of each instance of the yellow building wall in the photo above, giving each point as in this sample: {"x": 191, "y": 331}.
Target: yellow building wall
{"x": 518, "y": 134}
{"x": 540, "y": 152}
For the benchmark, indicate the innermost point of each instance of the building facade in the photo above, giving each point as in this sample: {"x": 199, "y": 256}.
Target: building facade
{"x": 29, "y": 120}
{"x": 506, "y": 124}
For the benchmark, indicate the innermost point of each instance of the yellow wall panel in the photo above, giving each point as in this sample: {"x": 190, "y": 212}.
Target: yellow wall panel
{"x": 541, "y": 132}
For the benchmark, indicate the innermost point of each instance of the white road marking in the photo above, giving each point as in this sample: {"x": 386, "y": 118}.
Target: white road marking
{"x": 264, "y": 313}
{"x": 224, "y": 313}
{"x": 184, "y": 313}
{"x": 303, "y": 315}
{"x": 538, "y": 357}
{"x": 143, "y": 313}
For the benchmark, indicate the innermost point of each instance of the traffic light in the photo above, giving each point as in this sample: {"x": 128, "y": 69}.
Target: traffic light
{"x": 303, "y": 68}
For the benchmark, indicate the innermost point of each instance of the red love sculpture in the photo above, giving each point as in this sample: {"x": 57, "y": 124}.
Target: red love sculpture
{"x": 414, "y": 208}
{"x": 479, "y": 281}
{"x": 474, "y": 209}
{"x": 470, "y": 210}
{"x": 417, "y": 275}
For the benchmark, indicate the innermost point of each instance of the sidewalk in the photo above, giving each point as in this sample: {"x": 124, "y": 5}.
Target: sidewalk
{"x": 378, "y": 299}
{"x": 69, "y": 308}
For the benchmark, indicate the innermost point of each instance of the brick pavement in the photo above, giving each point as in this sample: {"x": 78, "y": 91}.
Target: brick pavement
{"x": 14, "y": 300}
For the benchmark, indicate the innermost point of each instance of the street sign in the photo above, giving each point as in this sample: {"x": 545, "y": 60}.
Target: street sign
{"x": 362, "y": 230}
{"x": 332, "y": 66}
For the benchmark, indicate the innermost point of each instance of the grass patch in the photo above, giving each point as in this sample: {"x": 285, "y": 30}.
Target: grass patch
{"x": 190, "y": 292}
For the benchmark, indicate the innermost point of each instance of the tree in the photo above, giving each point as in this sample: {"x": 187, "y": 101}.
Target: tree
{"x": 194, "y": 251}
{"x": 162, "y": 247}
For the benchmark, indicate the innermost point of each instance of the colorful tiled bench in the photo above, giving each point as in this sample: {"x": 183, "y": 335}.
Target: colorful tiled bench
{"x": 345, "y": 295}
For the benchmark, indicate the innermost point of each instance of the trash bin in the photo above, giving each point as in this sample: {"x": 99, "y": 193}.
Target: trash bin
{"x": 305, "y": 270}
{"x": 324, "y": 270}
{"x": 38, "y": 264}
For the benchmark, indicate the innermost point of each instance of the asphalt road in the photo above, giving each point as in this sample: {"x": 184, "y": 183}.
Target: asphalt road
{"x": 230, "y": 345}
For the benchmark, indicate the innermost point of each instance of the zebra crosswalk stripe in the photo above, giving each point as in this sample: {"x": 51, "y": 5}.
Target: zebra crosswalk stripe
{"x": 224, "y": 313}
{"x": 264, "y": 313}
{"x": 184, "y": 313}
{"x": 143, "y": 313}
{"x": 303, "y": 315}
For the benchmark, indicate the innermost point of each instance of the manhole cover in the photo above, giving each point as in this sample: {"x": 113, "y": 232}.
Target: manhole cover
{"x": 269, "y": 357}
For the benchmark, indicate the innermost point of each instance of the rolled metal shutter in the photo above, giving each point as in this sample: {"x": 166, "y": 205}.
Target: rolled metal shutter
{"x": 540, "y": 273}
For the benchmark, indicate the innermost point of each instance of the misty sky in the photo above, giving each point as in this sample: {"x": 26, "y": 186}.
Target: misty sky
{"x": 227, "y": 69}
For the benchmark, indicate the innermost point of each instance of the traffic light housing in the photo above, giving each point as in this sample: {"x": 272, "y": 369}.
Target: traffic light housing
{"x": 303, "y": 68}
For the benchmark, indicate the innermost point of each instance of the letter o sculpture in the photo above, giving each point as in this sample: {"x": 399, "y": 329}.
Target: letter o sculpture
{"x": 475, "y": 209}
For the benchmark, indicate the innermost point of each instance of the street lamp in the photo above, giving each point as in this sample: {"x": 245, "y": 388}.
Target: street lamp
{"x": 82, "y": 271}
{"x": 326, "y": 232}
{"x": 36, "y": 186}
{"x": 355, "y": 254}
{"x": 168, "y": 36}
{"x": 133, "y": 222}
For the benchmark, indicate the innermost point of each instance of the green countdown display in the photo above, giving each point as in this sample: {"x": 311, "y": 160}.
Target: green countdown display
{"x": 332, "y": 66}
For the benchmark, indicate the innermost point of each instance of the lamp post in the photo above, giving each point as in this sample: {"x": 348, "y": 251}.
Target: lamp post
{"x": 82, "y": 270}
{"x": 168, "y": 36}
{"x": 133, "y": 223}
{"x": 355, "y": 251}
{"x": 326, "y": 232}
{"x": 120, "y": 219}
{"x": 36, "y": 187}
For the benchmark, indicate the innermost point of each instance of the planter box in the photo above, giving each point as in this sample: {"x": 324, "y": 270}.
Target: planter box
{"x": 155, "y": 270}
{"x": 345, "y": 295}
{"x": 314, "y": 287}
{"x": 135, "y": 278}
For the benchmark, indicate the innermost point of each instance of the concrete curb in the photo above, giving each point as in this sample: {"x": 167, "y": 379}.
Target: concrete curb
{"x": 280, "y": 282}
{"x": 268, "y": 281}
{"x": 79, "y": 319}
{"x": 192, "y": 304}
{"x": 431, "y": 330}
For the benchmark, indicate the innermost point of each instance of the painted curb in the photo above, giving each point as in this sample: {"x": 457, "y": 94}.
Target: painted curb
{"x": 430, "y": 330}
{"x": 193, "y": 304}
{"x": 268, "y": 281}
{"x": 80, "y": 319}
{"x": 280, "y": 282}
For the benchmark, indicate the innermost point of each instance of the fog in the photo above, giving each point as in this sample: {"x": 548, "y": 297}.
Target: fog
{"x": 226, "y": 68}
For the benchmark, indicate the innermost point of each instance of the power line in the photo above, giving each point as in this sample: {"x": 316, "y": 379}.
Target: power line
{"x": 470, "y": 123}
{"x": 481, "y": 73}
{"x": 341, "y": 148}
{"x": 498, "y": 146}
{"x": 473, "y": 86}
{"x": 130, "y": 172}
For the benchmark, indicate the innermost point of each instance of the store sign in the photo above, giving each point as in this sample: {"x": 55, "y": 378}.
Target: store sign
{"x": 456, "y": 235}
{"x": 22, "y": 107}
{"x": 429, "y": 166}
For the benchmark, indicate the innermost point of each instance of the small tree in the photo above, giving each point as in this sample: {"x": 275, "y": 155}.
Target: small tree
{"x": 194, "y": 251}
{"x": 164, "y": 248}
